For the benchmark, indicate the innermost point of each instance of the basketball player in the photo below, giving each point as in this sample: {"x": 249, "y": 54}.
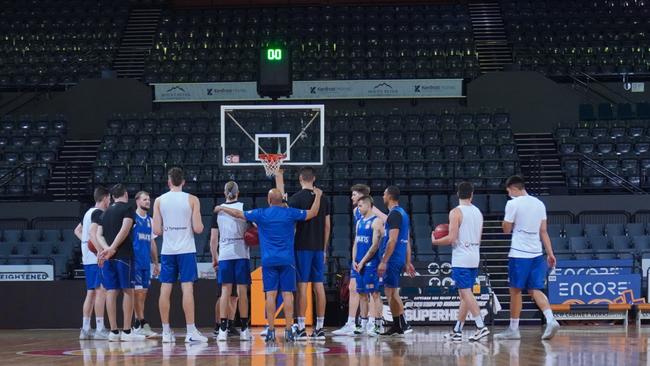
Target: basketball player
{"x": 395, "y": 254}
{"x": 350, "y": 327}
{"x": 525, "y": 218}
{"x": 177, "y": 215}
{"x": 95, "y": 295}
{"x": 145, "y": 250}
{"x": 232, "y": 299}
{"x": 276, "y": 226}
{"x": 465, "y": 230}
{"x": 116, "y": 261}
{"x": 234, "y": 262}
{"x": 365, "y": 261}
{"x": 311, "y": 241}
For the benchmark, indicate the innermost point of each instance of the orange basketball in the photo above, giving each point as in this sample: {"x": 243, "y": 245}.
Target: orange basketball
{"x": 251, "y": 237}
{"x": 440, "y": 231}
{"x": 91, "y": 247}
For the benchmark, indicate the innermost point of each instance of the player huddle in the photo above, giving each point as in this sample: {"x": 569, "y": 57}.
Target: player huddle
{"x": 293, "y": 239}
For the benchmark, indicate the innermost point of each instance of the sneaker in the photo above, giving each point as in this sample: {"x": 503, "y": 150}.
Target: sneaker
{"x": 264, "y": 331}
{"x": 290, "y": 335}
{"x": 101, "y": 334}
{"x": 551, "y": 329}
{"x": 393, "y": 332}
{"x": 359, "y": 331}
{"x": 85, "y": 334}
{"x": 168, "y": 337}
{"x": 318, "y": 335}
{"x": 270, "y": 336}
{"x": 480, "y": 333}
{"x": 375, "y": 331}
{"x": 222, "y": 336}
{"x": 454, "y": 336}
{"x": 132, "y": 337}
{"x": 113, "y": 337}
{"x": 408, "y": 329}
{"x": 195, "y": 336}
{"x": 245, "y": 335}
{"x": 508, "y": 334}
{"x": 300, "y": 335}
{"x": 347, "y": 330}
{"x": 370, "y": 327}
{"x": 146, "y": 331}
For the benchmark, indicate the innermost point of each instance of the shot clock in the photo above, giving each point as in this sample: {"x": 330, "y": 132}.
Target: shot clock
{"x": 274, "y": 76}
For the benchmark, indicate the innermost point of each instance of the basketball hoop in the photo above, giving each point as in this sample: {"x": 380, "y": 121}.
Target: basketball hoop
{"x": 272, "y": 163}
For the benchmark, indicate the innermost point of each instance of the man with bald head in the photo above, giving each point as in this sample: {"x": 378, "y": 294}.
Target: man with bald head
{"x": 276, "y": 225}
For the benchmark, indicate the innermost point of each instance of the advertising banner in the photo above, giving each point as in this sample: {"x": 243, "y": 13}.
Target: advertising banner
{"x": 593, "y": 267}
{"x": 595, "y": 289}
{"x": 27, "y": 272}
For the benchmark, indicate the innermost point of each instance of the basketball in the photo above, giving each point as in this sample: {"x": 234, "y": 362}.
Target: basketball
{"x": 91, "y": 247}
{"x": 251, "y": 237}
{"x": 440, "y": 231}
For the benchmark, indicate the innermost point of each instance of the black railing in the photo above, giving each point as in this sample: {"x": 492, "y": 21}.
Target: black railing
{"x": 612, "y": 176}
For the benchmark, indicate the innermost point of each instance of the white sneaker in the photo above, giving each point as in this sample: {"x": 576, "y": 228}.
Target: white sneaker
{"x": 374, "y": 332}
{"x": 361, "y": 331}
{"x": 132, "y": 337}
{"x": 508, "y": 334}
{"x": 370, "y": 327}
{"x": 101, "y": 334}
{"x": 168, "y": 337}
{"x": 346, "y": 330}
{"x": 112, "y": 337}
{"x": 223, "y": 335}
{"x": 196, "y": 336}
{"x": 146, "y": 331}
{"x": 480, "y": 333}
{"x": 245, "y": 335}
{"x": 264, "y": 332}
{"x": 551, "y": 329}
{"x": 85, "y": 334}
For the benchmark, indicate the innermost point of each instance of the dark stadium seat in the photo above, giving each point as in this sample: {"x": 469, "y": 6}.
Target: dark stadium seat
{"x": 578, "y": 243}
{"x": 573, "y": 230}
{"x": 620, "y": 242}
{"x": 635, "y": 229}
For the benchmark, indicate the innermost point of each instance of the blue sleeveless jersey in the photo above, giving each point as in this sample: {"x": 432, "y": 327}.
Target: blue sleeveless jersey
{"x": 364, "y": 240}
{"x": 399, "y": 253}
{"x": 142, "y": 234}
{"x": 356, "y": 216}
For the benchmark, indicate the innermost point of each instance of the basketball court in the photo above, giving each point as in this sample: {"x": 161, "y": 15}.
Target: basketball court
{"x": 579, "y": 346}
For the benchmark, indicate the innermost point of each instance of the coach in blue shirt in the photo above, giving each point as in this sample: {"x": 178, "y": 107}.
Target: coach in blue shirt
{"x": 276, "y": 225}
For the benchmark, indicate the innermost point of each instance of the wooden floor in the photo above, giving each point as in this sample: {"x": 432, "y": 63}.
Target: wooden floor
{"x": 575, "y": 346}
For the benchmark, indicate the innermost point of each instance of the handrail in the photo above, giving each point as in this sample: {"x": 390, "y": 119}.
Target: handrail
{"x": 15, "y": 173}
{"x": 606, "y": 87}
{"x": 606, "y": 172}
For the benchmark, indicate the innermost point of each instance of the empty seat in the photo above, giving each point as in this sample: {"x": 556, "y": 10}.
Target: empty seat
{"x": 573, "y": 230}
{"x": 620, "y": 242}
{"x": 419, "y": 204}
{"x": 439, "y": 203}
{"x": 614, "y": 230}
{"x": 635, "y": 229}
{"x": 554, "y": 230}
{"x": 598, "y": 243}
{"x": 578, "y": 243}
{"x": 641, "y": 243}
{"x": 559, "y": 244}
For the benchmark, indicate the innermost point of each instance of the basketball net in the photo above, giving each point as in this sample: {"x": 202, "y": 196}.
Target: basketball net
{"x": 272, "y": 163}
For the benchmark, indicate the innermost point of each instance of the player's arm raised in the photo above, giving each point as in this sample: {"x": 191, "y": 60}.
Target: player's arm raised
{"x": 197, "y": 223}
{"x": 313, "y": 211}
{"x": 279, "y": 181}
{"x": 455, "y": 216}
{"x": 230, "y": 211}
{"x": 546, "y": 240}
{"x": 157, "y": 218}
{"x": 379, "y": 213}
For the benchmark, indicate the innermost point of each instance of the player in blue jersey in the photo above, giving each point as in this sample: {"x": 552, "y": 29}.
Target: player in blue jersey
{"x": 144, "y": 253}
{"x": 395, "y": 253}
{"x": 365, "y": 261}
{"x": 351, "y": 327}
{"x": 276, "y": 225}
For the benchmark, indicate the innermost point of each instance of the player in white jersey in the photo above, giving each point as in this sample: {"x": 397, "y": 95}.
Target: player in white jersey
{"x": 525, "y": 218}
{"x": 95, "y": 295}
{"x": 177, "y": 217}
{"x": 465, "y": 229}
{"x": 233, "y": 262}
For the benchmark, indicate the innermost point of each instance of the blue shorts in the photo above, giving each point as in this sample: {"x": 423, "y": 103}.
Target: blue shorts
{"x": 392, "y": 275}
{"x": 527, "y": 273}
{"x": 368, "y": 281}
{"x": 118, "y": 274}
{"x": 178, "y": 267}
{"x": 464, "y": 277}
{"x": 354, "y": 275}
{"x": 142, "y": 278}
{"x": 279, "y": 278}
{"x": 310, "y": 265}
{"x": 93, "y": 276}
{"x": 235, "y": 271}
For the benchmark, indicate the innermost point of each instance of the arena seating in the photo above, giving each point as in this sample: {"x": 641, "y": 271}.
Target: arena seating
{"x": 452, "y": 148}
{"x": 51, "y": 42}
{"x": 32, "y": 142}
{"x": 621, "y": 145}
{"x": 560, "y": 38}
{"x": 329, "y": 42}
